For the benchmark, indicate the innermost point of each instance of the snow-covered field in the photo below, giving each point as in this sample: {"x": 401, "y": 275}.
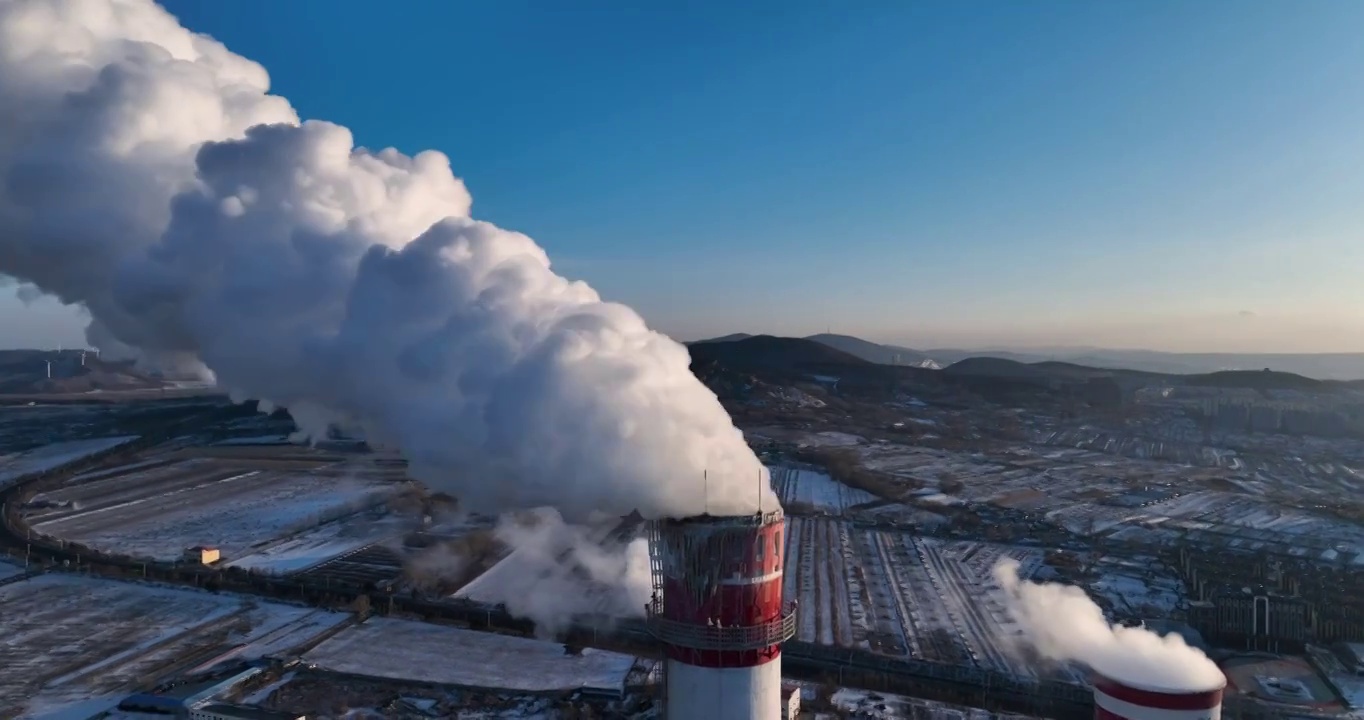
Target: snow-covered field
{"x": 157, "y": 513}
{"x": 407, "y": 650}
{"x": 1351, "y": 690}
{"x": 255, "y": 440}
{"x": 816, "y": 489}
{"x": 1132, "y": 596}
{"x": 51, "y": 457}
{"x": 318, "y": 545}
{"x": 832, "y": 438}
{"x": 9, "y": 568}
{"x": 897, "y": 594}
{"x": 72, "y": 645}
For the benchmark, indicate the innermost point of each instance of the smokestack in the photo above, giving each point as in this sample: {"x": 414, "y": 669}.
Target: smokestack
{"x": 1121, "y": 700}
{"x": 1139, "y": 674}
{"x": 717, "y": 608}
{"x": 49, "y": 369}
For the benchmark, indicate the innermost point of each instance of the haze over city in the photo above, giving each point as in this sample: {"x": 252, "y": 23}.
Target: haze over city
{"x": 1164, "y": 175}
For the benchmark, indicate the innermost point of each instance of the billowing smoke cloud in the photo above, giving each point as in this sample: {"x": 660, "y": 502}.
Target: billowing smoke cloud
{"x": 147, "y": 175}
{"x": 1062, "y": 623}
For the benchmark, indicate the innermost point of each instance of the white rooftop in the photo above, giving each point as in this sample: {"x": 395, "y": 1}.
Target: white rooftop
{"x": 408, "y": 650}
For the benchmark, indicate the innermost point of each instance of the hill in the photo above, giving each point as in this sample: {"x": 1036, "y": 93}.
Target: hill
{"x": 1059, "y": 373}
{"x": 1261, "y": 380}
{"x": 876, "y": 352}
{"x": 786, "y": 360}
{"x": 998, "y": 368}
{"x": 723, "y": 338}
{"x": 765, "y": 353}
{"x": 1322, "y": 366}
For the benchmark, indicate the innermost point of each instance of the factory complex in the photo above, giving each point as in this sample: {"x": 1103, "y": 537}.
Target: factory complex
{"x": 872, "y": 590}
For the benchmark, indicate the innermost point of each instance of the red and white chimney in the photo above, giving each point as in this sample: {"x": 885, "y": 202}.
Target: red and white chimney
{"x": 1122, "y": 700}
{"x": 718, "y": 610}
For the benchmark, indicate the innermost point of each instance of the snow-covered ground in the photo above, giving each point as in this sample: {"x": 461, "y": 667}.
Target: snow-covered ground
{"x": 884, "y": 706}
{"x": 796, "y": 397}
{"x": 1153, "y": 597}
{"x": 317, "y": 545}
{"x": 291, "y": 631}
{"x": 816, "y": 489}
{"x": 74, "y": 645}
{"x": 58, "y": 708}
{"x": 106, "y": 472}
{"x": 51, "y": 457}
{"x": 264, "y": 693}
{"x": 256, "y": 440}
{"x": 832, "y": 439}
{"x": 403, "y": 649}
{"x": 897, "y": 594}
{"x": 9, "y": 568}
{"x": 199, "y": 506}
{"x": 1351, "y": 688}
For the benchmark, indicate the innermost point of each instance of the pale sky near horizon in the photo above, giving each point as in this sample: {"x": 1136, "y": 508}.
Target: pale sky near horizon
{"x": 1163, "y": 174}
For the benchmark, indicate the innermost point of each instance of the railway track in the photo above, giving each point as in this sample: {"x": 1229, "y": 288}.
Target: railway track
{"x": 369, "y": 564}
{"x": 970, "y": 623}
{"x": 903, "y": 615}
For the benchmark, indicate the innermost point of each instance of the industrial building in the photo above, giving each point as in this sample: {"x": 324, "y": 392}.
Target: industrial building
{"x": 1123, "y": 700}
{"x": 202, "y": 554}
{"x": 718, "y": 610}
{"x": 1269, "y": 605}
{"x": 790, "y": 702}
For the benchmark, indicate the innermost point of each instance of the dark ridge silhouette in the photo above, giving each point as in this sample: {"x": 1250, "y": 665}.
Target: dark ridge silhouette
{"x": 1263, "y": 380}
{"x": 768, "y": 353}
{"x": 732, "y": 337}
{"x": 873, "y": 352}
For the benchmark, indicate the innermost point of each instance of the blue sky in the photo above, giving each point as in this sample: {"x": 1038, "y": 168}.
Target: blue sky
{"x": 1162, "y": 174}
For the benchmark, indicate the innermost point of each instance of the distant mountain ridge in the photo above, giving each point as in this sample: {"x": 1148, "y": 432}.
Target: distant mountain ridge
{"x": 764, "y": 358}
{"x": 876, "y": 352}
{"x": 1318, "y": 366}
{"x": 752, "y": 353}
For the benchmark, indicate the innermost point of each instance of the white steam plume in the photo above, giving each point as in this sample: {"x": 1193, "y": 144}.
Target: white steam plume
{"x": 147, "y": 175}
{"x": 557, "y": 573}
{"x": 1062, "y": 623}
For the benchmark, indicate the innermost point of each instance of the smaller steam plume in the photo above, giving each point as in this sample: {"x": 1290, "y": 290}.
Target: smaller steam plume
{"x": 558, "y": 573}
{"x": 1062, "y": 623}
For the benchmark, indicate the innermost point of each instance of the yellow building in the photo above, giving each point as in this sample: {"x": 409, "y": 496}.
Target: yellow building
{"x": 202, "y": 554}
